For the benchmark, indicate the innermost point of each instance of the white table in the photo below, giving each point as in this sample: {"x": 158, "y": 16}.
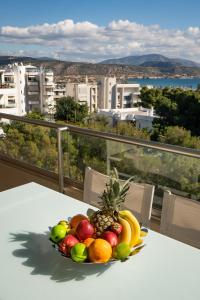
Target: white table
{"x": 31, "y": 269}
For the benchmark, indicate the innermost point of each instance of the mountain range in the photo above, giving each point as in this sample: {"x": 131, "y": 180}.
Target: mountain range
{"x": 151, "y": 60}
{"x": 131, "y": 66}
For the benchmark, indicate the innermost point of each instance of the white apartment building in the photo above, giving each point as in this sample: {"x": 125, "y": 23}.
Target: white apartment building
{"x": 126, "y": 95}
{"x": 25, "y": 88}
{"x": 84, "y": 93}
{"x": 113, "y": 95}
{"x": 9, "y": 93}
{"x": 143, "y": 117}
{"x": 106, "y": 93}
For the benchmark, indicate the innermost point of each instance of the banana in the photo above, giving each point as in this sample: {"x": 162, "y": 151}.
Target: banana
{"x": 125, "y": 235}
{"x": 143, "y": 233}
{"x": 139, "y": 242}
{"x": 134, "y": 224}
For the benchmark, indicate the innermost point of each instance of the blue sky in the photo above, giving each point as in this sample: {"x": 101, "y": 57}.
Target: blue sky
{"x": 168, "y": 14}
{"x": 177, "y": 29}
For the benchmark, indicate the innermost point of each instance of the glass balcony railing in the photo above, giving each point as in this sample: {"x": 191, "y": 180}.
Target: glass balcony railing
{"x": 164, "y": 166}
{"x": 67, "y": 151}
{"x": 31, "y": 144}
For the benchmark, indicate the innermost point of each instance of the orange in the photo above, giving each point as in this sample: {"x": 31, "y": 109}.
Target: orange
{"x": 100, "y": 251}
{"x": 76, "y": 219}
{"x": 88, "y": 242}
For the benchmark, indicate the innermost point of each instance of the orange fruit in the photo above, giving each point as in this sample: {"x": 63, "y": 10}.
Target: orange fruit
{"x": 88, "y": 242}
{"x": 76, "y": 219}
{"x": 100, "y": 251}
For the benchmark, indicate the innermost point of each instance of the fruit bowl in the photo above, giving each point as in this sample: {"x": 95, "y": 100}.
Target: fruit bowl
{"x": 110, "y": 262}
{"x": 76, "y": 240}
{"x": 104, "y": 236}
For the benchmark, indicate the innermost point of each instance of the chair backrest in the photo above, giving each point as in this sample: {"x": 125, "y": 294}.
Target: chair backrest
{"x": 139, "y": 197}
{"x": 180, "y": 219}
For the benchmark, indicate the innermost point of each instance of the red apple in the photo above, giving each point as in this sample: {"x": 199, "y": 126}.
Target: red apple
{"x": 110, "y": 237}
{"x": 84, "y": 230}
{"x": 67, "y": 243}
{"x": 116, "y": 228}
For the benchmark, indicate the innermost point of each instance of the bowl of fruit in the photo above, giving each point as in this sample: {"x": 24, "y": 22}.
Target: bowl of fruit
{"x": 103, "y": 236}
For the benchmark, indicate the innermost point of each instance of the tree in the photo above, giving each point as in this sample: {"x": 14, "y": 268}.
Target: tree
{"x": 175, "y": 107}
{"x": 69, "y": 110}
{"x": 179, "y": 136}
{"x": 149, "y": 97}
{"x": 35, "y": 115}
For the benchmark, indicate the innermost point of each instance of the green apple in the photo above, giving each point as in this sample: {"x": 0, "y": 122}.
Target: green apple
{"x": 79, "y": 252}
{"x": 121, "y": 251}
{"x": 58, "y": 233}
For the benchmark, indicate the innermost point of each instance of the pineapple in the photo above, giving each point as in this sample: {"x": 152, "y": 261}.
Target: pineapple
{"x": 111, "y": 199}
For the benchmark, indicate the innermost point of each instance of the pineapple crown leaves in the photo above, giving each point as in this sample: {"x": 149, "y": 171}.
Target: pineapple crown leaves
{"x": 115, "y": 193}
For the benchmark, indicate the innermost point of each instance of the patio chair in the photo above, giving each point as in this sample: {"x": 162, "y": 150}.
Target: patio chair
{"x": 139, "y": 198}
{"x": 180, "y": 219}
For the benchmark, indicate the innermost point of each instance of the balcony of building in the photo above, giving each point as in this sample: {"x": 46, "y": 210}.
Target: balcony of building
{"x": 5, "y": 86}
{"x": 11, "y": 103}
{"x": 56, "y": 156}
{"x": 48, "y": 93}
{"x": 32, "y": 93}
{"x": 48, "y": 72}
{"x": 32, "y": 71}
{"x": 32, "y": 83}
{"x": 48, "y": 83}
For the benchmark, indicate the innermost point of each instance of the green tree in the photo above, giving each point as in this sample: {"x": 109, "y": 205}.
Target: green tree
{"x": 179, "y": 136}
{"x": 175, "y": 107}
{"x": 35, "y": 115}
{"x": 70, "y": 110}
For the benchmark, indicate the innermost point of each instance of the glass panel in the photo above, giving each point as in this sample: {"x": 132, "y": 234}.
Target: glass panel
{"x": 81, "y": 151}
{"x": 35, "y": 145}
{"x": 179, "y": 173}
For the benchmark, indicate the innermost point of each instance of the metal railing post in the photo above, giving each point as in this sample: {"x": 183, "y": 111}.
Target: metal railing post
{"x": 60, "y": 159}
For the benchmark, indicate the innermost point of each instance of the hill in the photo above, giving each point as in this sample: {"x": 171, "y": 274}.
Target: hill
{"x": 66, "y": 68}
{"x": 151, "y": 60}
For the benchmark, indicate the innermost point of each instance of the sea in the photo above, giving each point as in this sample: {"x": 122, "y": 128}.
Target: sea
{"x": 186, "y": 83}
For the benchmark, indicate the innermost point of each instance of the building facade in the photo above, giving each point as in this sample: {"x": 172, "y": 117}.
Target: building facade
{"x": 126, "y": 95}
{"x": 25, "y": 88}
{"x": 84, "y": 93}
{"x": 106, "y": 92}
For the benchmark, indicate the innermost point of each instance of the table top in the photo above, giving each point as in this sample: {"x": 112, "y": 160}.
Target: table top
{"x": 31, "y": 269}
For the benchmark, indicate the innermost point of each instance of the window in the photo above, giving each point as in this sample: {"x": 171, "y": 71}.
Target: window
{"x": 11, "y": 101}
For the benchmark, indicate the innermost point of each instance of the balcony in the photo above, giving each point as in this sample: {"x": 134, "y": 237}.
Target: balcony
{"x": 11, "y": 104}
{"x": 34, "y": 83}
{"x": 47, "y": 93}
{"x": 7, "y": 85}
{"x": 32, "y": 70}
{"x": 48, "y": 83}
{"x": 33, "y": 102}
{"x": 56, "y": 156}
{"x": 33, "y": 93}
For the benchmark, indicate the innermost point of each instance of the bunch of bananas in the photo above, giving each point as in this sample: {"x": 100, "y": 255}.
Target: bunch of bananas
{"x": 131, "y": 233}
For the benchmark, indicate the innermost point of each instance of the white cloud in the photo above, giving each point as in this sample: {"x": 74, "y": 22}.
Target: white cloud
{"x": 89, "y": 42}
